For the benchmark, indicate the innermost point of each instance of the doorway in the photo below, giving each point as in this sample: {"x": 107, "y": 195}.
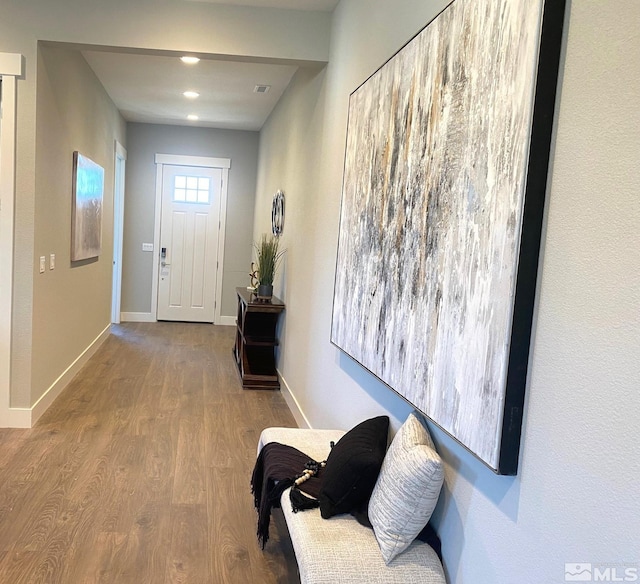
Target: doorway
{"x": 191, "y": 198}
{"x": 118, "y": 227}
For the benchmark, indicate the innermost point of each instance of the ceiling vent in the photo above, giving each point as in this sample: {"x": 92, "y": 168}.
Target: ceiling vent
{"x": 261, "y": 88}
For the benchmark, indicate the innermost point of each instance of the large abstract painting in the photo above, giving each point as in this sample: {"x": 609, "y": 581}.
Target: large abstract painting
{"x": 86, "y": 221}
{"x": 443, "y": 193}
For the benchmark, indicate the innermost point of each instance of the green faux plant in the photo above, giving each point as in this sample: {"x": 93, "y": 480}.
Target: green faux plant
{"x": 268, "y": 259}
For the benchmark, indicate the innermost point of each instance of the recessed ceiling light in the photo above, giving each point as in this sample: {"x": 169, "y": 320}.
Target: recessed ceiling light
{"x": 261, "y": 88}
{"x": 189, "y": 60}
{"x": 192, "y": 117}
{"x": 191, "y": 94}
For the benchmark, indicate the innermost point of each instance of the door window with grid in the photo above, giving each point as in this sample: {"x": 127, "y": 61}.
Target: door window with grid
{"x": 191, "y": 189}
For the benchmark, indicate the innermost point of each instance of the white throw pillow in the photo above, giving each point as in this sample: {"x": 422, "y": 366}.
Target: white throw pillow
{"x": 407, "y": 489}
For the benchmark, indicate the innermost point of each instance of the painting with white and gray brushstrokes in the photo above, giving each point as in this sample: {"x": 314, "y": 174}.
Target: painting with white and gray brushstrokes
{"x": 86, "y": 222}
{"x": 432, "y": 205}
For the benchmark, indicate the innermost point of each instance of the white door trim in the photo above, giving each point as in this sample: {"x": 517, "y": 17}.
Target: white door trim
{"x": 156, "y": 241}
{"x": 217, "y": 316}
{"x": 183, "y": 160}
{"x": 118, "y": 229}
{"x": 10, "y": 69}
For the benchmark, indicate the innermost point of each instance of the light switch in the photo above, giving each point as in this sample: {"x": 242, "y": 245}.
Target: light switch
{"x": 147, "y": 247}
{"x": 52, "y": 261}
{"x": 43, "y": 263}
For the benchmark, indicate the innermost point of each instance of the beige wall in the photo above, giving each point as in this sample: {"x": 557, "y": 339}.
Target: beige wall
{"x": 293, "y": 158}
{"x": 575, "y": 497}
{"x": 144, "y": 142}
{"x": 72, "y": 303}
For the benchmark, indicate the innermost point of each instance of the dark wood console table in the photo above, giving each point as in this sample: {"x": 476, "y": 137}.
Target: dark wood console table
{"x": 256, "y": 340}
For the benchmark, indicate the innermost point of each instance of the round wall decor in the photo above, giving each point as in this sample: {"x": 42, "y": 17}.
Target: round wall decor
{"x": 277, "y": 214}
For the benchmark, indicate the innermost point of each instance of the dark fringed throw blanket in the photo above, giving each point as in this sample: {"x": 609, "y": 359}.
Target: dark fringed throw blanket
{"x": 277, "y": 467}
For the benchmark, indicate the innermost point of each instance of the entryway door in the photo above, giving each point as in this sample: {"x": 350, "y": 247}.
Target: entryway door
{"x": 190, "y": 231}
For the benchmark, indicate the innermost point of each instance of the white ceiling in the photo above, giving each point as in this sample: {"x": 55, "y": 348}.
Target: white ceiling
{"x": 148, "y": 89}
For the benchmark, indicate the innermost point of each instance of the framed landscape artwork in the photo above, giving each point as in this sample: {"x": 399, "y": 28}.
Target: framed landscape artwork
{"x": 442, "y": 204}
{"x": 86, "y": 214}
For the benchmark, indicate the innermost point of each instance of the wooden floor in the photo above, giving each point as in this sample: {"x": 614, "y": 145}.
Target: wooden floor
{"x": 139, "y": 472}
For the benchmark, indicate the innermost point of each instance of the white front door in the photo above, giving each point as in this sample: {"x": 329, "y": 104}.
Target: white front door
{"x": 189, "y": 228}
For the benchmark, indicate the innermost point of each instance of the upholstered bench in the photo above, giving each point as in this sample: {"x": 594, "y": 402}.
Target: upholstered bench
{"x": 340, "y": 549}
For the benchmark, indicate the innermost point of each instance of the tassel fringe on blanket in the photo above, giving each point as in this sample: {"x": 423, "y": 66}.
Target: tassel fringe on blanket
{"x": 279, "y": 467}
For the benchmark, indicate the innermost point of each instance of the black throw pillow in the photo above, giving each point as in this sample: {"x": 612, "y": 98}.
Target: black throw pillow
{"x": 353, "y": 466}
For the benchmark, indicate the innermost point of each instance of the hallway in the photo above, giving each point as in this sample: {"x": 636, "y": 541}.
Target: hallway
{"x": 139, "y": 472}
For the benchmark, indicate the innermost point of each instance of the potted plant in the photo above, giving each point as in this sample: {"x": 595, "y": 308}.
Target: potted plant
{"x": 268, "y": 256}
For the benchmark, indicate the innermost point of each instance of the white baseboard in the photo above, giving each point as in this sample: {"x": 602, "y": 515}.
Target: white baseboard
{"x": 27, "y": 417}
{"x": 137, "y": 317}
{"x": 15, "y": 418}
{"x": 42, "y": 405}
{"x": 148, "y": 317}
{"x": 293, "y": 404}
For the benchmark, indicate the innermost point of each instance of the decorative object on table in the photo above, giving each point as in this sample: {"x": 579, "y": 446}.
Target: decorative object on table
{"x": 277, "y": 214}
{"x": 268, "y": 257}
{"x": 442, "y": 204}
{"x": 86, "y": 208}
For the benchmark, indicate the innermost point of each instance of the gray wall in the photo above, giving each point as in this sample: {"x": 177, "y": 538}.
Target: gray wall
{"x": 575, "y": 497}
{"x": 144, "y": 142}
{"x": 74, "y": 113}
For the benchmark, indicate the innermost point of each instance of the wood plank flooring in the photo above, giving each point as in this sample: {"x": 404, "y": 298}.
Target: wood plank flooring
{"x": 139, "y": 472}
